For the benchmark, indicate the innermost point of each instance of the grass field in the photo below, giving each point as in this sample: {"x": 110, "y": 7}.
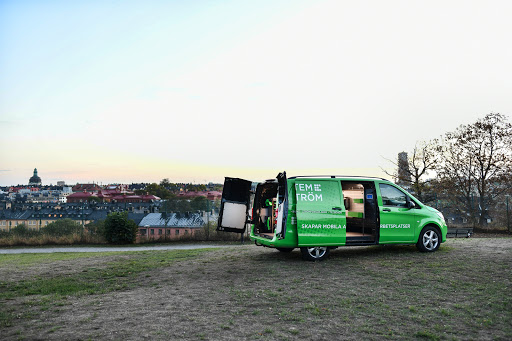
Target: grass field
{"x": 463, "y": 291}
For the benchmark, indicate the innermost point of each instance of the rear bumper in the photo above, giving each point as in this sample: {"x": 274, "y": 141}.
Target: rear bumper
{"x": 260, "y": 240}
{"x": 272, "y": 242}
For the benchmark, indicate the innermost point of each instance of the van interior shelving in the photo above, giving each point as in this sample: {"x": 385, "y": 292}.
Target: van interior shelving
{"x": 264, "y": 213}
{"x": 361, "y": 211}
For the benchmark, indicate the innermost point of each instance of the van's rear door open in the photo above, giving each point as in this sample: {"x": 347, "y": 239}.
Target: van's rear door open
{"x": 234, "y": 207}
{"x": 283, "y": 205}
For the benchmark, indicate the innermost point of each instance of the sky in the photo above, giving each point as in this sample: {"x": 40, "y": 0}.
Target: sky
{"x": 193, "y": 91}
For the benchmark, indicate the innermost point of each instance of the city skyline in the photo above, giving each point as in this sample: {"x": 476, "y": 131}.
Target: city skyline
{"x": 101, "y": 91}
{"x": 54, "y": 182}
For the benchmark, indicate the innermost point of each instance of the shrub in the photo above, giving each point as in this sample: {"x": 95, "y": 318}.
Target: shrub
{"x": 96, "y": 228}
{"x": 20, "y": 230}
{"x": 62, "y": 227}
{"x": 119, "y": 229}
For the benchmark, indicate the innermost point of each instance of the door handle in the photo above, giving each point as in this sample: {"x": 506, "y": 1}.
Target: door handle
{"x": 336, "y": 208}
{"x": 386, "y": 210}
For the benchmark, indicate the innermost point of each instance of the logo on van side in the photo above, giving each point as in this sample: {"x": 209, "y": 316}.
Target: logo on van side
{"x": 395, "y": 226}
{"x": 310, "y": 189}
{"x": 323, "y": 226}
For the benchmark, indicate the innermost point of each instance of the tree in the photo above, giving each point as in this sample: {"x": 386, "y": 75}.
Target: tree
{"x": 158, "y": 190}
{"x": 413, "y": 168}
{"x": 183, "y": 206}
{"x": 477, "y": 159}
{"x": 216, "y": 205}
{"x": 93, "y": 199}
{"x": 198, "y": 203}
{"x": 165, "y": 183}
{"x": 20, "y": 230}
{"x": 119, "y": 229}
{"x": 96, "y": 227}
{"x": 172, "y": 187}
{"x": 455, "y": 175}
{"x": 62, "y": 227}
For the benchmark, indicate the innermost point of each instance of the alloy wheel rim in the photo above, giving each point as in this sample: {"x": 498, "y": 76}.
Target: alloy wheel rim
{"x": 430, "y": 240}
{"x": 317, "y": 252}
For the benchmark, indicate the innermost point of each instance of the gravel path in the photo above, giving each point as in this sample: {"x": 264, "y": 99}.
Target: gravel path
{"x": 110, "y": 248}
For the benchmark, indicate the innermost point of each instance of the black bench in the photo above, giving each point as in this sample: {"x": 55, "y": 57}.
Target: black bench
{"x": 459, "y": 232}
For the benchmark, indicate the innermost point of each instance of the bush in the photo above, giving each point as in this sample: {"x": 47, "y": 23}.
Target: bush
{"x": 96, "y": 228}
{"x": 62, "y": 227}
{"x": 22, "y": 230}
{"x": 119, "y": 229}
{"x": 19, "y": 230}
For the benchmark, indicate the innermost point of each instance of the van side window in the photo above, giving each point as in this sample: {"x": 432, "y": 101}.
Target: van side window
{"x": 391, "y": 196}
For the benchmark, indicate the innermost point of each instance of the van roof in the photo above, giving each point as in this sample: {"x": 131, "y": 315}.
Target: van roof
{"x": 339, "y": 177}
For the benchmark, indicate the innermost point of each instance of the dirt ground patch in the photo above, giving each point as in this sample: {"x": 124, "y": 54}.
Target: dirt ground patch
{"x": 245, "y": 293}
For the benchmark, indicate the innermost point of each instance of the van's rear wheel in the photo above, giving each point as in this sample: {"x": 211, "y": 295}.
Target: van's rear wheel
{"x": 285, "y": 249}
{"x": 429, "y": 239}
{"x": 316, "y": 253}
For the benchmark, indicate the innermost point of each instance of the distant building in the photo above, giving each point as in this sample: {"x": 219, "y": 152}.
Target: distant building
{"x": 93, "y": 188}
{"x": 66, "y": 191}
{"x": 108, "y": 196}
{"x": 78, "y": 197}
{"x": 170, "y": 225}
{"x": 210, "y": 195}
{"x": 61, "y": 183}
{"x": 403, "y": 173}
{"x": 10, "y": 219}
{"x": 35, "y": 180}
{"x": 37, "y": 215}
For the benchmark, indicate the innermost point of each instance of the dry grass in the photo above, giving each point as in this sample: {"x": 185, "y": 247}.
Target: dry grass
{"x": 246, "y": 293}
{"x": 40, "y": 240}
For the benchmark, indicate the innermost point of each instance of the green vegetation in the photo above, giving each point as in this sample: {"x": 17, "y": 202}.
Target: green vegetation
{"x": 32, "y": 259}
{"x": 118, "y": 229}
{"x": 60, "y": 232}
{"x": 167, "y": 190}
{"x": 173, "y": 203}
{"x": 466, "y": 172}
{"x": 62, "y": 227}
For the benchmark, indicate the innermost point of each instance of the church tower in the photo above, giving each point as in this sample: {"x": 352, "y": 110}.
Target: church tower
{"x": 34, "y": 180}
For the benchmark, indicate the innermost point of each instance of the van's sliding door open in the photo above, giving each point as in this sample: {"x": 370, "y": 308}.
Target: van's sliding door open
{"x": 234, "y": 207}
{"x": 321, "y": 219}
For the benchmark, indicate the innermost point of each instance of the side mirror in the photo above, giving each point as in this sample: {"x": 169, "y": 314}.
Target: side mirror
{"x": 410, "y": 204}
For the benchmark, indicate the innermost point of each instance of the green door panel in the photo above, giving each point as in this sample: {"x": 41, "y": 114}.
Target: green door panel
{"x": 397, "y": 225}
{"x": 320, "y": 211}
{"x": 397, "y": 222}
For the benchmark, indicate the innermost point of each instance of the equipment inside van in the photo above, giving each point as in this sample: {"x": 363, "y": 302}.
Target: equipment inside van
{"x": 319, "y": 213}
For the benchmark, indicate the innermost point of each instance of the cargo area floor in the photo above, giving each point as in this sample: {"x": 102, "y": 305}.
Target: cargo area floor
{"x": 267, "y": 235}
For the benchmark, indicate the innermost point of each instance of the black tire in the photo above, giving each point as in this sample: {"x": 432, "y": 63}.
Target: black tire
{"x": 429, "y": 239}
{"x": 316, "y": 253}
{"x": 285, "y": 249}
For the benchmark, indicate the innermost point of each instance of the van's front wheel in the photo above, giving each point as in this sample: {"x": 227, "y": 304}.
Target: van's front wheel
{"x": 316, "y": 253}
{"x": 429, "y": 239}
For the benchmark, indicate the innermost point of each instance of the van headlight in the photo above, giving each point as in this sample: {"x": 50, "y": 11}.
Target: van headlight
{"x": 440, "y": 215}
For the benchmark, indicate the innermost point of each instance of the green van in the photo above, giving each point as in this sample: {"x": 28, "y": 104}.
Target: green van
{"x": 320, "y": 213}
